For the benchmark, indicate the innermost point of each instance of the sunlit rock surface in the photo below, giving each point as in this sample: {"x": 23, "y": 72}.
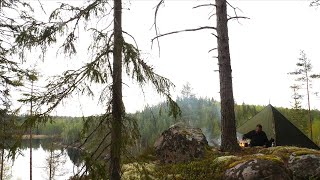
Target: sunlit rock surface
{"x": 180, "y": 143}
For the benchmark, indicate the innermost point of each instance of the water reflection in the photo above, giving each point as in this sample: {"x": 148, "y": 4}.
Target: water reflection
{"x": 42, "y": 150}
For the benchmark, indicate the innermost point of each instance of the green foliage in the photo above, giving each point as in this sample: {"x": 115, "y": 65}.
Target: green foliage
{"x": 316, "y": 131}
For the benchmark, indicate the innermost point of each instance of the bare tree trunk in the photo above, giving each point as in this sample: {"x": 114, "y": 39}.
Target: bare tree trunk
{"x": 2, "y": 163}
{"x": 117, "y": 104}
{"x": 50, "y": 163}
{"x": 2, "y": 148}
{"x": 228, "y": 124}
{"x": 30, "y": 130}
{"x": 309, "y": 109}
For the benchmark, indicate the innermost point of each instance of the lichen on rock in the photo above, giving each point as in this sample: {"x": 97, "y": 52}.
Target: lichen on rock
{"x": 180, "y": 143}
{"x": 304, "y": 166}
{"x": 258, "y": 169}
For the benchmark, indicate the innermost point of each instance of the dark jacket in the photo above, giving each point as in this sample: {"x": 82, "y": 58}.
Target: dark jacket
{"x": 257, "y": 139}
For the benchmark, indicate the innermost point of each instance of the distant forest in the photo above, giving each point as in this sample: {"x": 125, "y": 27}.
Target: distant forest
{"x": 203, "y": 113}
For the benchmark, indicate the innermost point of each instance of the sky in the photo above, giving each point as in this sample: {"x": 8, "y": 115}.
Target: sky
{"x": 263, "y": 50}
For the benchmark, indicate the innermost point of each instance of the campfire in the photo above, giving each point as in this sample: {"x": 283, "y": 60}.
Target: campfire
{"x": 244, "y": 143}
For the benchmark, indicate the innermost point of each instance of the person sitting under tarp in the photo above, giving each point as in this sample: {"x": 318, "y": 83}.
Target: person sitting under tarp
{"x": 257, "y": 137}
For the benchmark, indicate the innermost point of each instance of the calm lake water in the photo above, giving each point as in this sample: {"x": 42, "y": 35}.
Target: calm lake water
{"x": 19, "y": 169}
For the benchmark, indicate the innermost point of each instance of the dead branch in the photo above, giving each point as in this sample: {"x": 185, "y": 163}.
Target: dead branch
{"x": 212, "y": 50}
{"x": 155, "y": 23}
{"x": 212, "y": 15}
{"x": 185, "y": 30}
{"x": 215, "y": 35}
{"x": 204, "y": 5}
{"x": 235, "y": 9}
{"x": 315, "y": 3}
{"x": 238, "y": 17}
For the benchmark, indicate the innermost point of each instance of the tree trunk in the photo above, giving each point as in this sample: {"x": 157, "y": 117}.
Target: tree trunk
{"x": 309, "y": 109}
{"x": 228, "y": 124}
{"x": 117, "y": 104}
{"x": 30, "y": 130}
{"x": 2, "y": 163}
{"x": 30, "y": 144}
{"x": 51, "y": 163}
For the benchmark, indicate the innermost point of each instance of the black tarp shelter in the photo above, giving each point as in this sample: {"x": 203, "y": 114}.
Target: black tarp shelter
{"x": 278, "y": 127}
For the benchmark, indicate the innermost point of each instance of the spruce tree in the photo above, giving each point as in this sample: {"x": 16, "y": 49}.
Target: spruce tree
{"x": 112, "y": 49}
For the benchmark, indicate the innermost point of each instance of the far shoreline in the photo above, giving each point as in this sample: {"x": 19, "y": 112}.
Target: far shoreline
{"x": 38, "y": 136}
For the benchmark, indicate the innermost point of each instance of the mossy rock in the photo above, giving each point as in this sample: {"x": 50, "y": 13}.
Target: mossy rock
{"x": 284, "y": 152}
{"x": 180, "y": 143}
{"x": 215, "y": 164}
{"x": 305, "y": 166}
{"x": 242, "y": 159}
{"x": 258, "y": 169}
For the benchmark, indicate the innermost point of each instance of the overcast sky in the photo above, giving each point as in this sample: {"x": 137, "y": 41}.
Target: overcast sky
{"x": 263, "y": 50}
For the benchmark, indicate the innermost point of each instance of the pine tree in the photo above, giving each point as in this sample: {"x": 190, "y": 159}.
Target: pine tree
{"x": 303, "y": 74}
{"x": 228, "y": 122}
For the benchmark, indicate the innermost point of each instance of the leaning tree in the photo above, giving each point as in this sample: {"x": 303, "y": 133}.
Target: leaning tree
{"x": 112, "y": 51}
{"x": 228, "y": 122}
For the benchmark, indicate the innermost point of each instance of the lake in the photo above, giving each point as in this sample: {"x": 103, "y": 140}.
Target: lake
{"x": 66, "y": 161}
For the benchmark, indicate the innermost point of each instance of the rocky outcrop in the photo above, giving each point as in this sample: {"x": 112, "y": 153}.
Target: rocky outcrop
{"x": 278, "y": 163}
{"x": 180, "y": 143}
{"x": 305, "y": 166}
{"x": 258, "y": 169}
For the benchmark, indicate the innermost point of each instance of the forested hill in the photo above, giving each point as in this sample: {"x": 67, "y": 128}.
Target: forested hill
{"x": 205, "y": 114}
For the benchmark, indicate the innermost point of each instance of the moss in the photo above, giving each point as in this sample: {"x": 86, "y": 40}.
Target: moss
{"x": 148, "y": 155}
{"x": 242, "y": 159}
{"x": 212, "y": 166}
{"x": 138, "y": 171}
{"x": 305, "y": 152}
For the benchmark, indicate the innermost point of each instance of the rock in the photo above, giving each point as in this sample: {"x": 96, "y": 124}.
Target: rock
{"x": 180, "y": 143}
{"x": 258, "y": 169}
{"x": 305, "y": 166}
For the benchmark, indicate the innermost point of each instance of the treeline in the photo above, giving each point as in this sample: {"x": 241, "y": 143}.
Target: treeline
{"x": 205, "y": 114}
{"x": 198, "y": 112}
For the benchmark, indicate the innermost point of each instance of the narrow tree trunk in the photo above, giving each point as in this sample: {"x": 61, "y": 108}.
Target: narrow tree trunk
{"x": 30, "y": 130}
{"x": 30, "y": 144}
{"x": 309, "y": 109}
{"x": 117, "y": 104}
{"x": 228, "y": 124}
{"x": 2, "y": 148}
{"x": 2, "y": 163}
{"x": 50, "y": 163}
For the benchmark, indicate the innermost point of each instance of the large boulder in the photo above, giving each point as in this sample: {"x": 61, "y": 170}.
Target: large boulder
{"x": 305, "y": 166}
{"x": 180, "y": 143}
{"x": 255, "y": 169}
